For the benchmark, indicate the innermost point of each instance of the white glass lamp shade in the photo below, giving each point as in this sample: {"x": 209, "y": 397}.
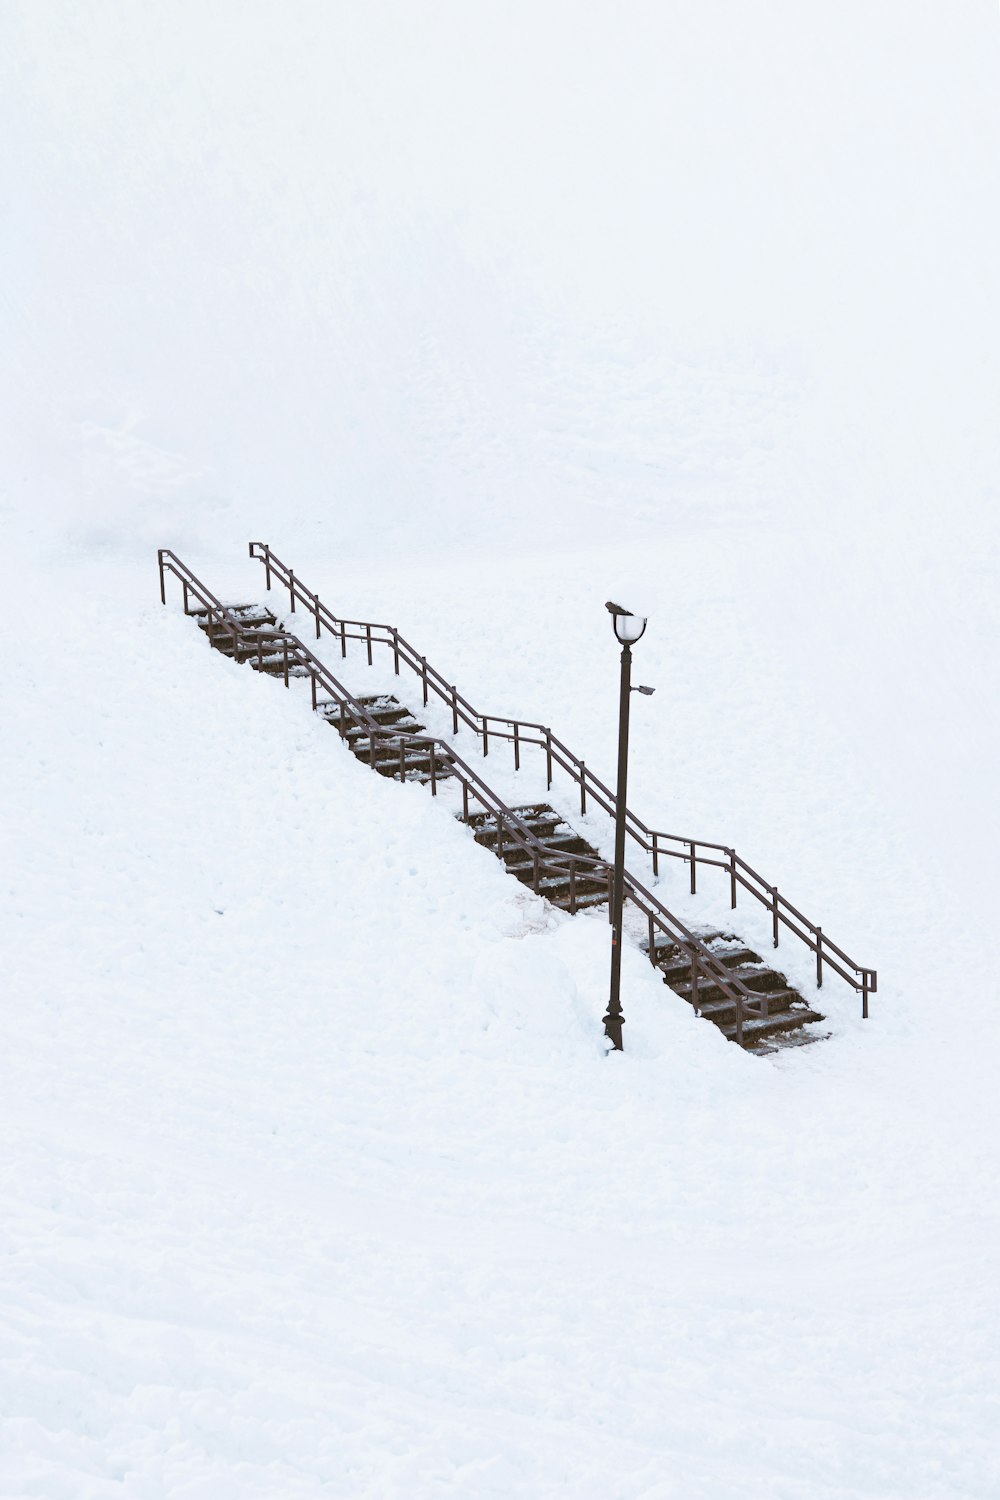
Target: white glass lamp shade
{"x": 628, "y": 628}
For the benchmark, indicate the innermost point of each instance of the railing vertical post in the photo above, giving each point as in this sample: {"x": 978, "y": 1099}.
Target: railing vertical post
{"x": 185, "y": 588}
{"x": 819, "y": 958}
{"x": 267, "y": 567}
{"x": 739, "y": 1019}
{"x": 163, "y": 581}
{"x": 312, "y": 679}
{"x": 534, "y": 860}
{"x": 434, "y": 785}
{"x": 316, "y": 609}
{"x": 486, "y": 736}
{"x": 395, "y": 650}
{"x": 548, "y": 758}
{"x": 583, "y": 787}
{"x": 694, "y": 876}
{"x": 465, "y": 800}
{"x": 572, "y": 887}
{"x": 500, "y": 835}
{"x": 517, "y": 749}
{"x": 368, "y": 634}
{"x": 284, "y": 645}
{"x": 864, "y": 994}
{"x": 774, "y": 912}
{"x": 423, "y": 677}
{"x": 656, "y": 857}
{"x": 694, "y": 985}
{"x": 291, "y": 588}
{"x": 402, "y": 759}
{"x": 454, "y": 709}
{"x": 652, "y": 939}
{"x": 732, "y": 879}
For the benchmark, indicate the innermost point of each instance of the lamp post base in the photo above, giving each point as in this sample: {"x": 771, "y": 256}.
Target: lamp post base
{"x": 613, "y": 1030}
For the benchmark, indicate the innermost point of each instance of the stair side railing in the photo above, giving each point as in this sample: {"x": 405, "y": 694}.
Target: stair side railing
{"x": 258, "y": 646}
{"x": 698, "y": 854}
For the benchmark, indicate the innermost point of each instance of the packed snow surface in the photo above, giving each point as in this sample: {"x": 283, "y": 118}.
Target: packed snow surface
{"x": 318, "y": 1179}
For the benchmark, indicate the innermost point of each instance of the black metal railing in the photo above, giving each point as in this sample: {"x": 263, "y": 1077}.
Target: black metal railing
{"x": 698, "y": 854}
{"x": 287, "y": 652}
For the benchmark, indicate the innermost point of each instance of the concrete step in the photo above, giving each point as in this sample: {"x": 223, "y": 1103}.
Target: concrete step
{"x": 756, "y": 1032}
{"x": 584, "y": 899}
{"x": 255, "y": 611}
{"x": 540, "y": 819}
{"x": 248, "y": 636}
{"x": 262, "y": 645}
{"x": 361, "y": 742}
{"x": 725, "y": 947}
{"x": 274, "y": 666}
{"x": 245, "y": 619}
{"x": 423, "y": 777}
{"x": 513, "y": 854}
{"x": 679, "y": 966}
{"x": 412, "y": 762}
{"x": 555, "y": 880}
{"x": 382, "y": 708}
{"x": 720, "y": 1009}
{"x": 760, "y": 980}
{"x": 785, "y": 1041}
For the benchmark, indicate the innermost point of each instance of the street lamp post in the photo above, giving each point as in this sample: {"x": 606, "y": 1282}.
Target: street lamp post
{"x": 628, "y": 629}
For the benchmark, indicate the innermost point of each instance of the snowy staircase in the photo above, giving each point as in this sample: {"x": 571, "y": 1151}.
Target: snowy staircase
{"x": 266, "y": 646}
{"x": 547, "y": 825}
{"x": 787, "y": 1012}
{"x": 401, "y": 760}
{"x": 261, "y": 642}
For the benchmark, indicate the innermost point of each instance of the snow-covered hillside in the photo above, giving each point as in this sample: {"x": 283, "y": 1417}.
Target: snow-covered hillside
{"x": 318, "y": 1180}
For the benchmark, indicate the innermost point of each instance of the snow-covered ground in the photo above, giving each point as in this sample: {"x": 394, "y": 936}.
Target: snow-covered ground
{"x": 317, "y": 1177}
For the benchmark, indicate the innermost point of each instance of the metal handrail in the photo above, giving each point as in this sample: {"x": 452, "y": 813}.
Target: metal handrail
{"x": 521, "y": 733}
{"x": 703, "y": 963}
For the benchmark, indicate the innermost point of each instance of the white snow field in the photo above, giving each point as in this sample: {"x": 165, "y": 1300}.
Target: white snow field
{"x": 317, "y": 1177}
